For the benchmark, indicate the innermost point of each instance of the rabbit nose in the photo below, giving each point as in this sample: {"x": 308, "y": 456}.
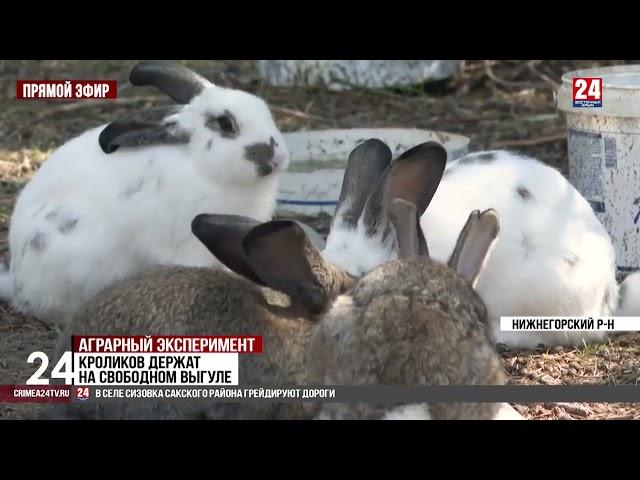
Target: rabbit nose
{"x": 280, "y": 155}
{"x": 267, "y": 156}
{"x": 277, "y": 162}
{"x": 280, "y": 159}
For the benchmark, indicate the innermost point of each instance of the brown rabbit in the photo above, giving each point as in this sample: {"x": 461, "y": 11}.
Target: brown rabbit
{"x": 182, "y": 300}
{"x": 413, "y": 321}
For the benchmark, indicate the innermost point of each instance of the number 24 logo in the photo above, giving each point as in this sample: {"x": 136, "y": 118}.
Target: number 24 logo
{"x": 64, "y": 362}
{"x": 592, "y": 87}
{"x": 82, "y": 393}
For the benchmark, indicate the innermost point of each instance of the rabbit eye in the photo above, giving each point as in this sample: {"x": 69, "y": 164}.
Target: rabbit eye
{"x": 225, "y": 124}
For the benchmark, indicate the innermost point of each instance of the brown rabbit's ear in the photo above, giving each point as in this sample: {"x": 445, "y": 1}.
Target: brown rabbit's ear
{"x": 474, "y": 244}
{"x": 282, "y": 255}
{"x": 367, "y": 162}
{"x": 403, "y": 217}
{"x": 413, "y": 177}
{"x": 416, "y": 174}
{"x": 222, "y": 235}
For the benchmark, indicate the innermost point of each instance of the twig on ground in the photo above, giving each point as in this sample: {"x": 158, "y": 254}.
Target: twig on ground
{"x": 556, "y": 137}
{"x": 458, "y": 112}
{"x": 296, "y": 113}
{"x": 546, "y": 78}
{"x": 522, "y": 66}
{"x": 308, "y": 106}
{"x": 507, "y": 83}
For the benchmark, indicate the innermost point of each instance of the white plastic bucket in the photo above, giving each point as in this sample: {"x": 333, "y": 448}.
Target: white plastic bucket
{"x": 311, "y": 185}
{"x": 604, "y": 155}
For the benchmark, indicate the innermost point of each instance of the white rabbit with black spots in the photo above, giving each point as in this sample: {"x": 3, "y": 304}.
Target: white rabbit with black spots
{"x": 120, "y": 197}
{"x": 553, "y": 256}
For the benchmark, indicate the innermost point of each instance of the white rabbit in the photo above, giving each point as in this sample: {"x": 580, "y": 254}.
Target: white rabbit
{"x": 553, "y": 256}
{"x": 121, "y": 197}
{"x": 361, "y": 235}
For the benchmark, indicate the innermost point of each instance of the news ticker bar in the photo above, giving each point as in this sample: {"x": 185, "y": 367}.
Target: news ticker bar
{"x": 339, "y": 394}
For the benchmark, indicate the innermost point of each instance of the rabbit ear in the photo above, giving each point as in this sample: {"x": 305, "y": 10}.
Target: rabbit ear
{"x": 474, "y": 244}
{"x": 416, "y": 174}
{"x": 282, "y": 255}
{"x": 173, "y": 79}
{"x": 222, "y": 235}
{"x": 148, "y": 127}
{"x": 366, "y": 164}
{"x": 414, "y": 177}
{"x": 403, "y": 217}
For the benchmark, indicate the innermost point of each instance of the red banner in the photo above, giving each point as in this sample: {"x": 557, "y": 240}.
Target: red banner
{"x": 35, "y": 393}
{"x": 66, "y": 89}
{"x": 167, "y": 344}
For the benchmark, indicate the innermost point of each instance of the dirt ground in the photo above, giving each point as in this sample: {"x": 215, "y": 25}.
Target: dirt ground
{"x": 498, "y": 104}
